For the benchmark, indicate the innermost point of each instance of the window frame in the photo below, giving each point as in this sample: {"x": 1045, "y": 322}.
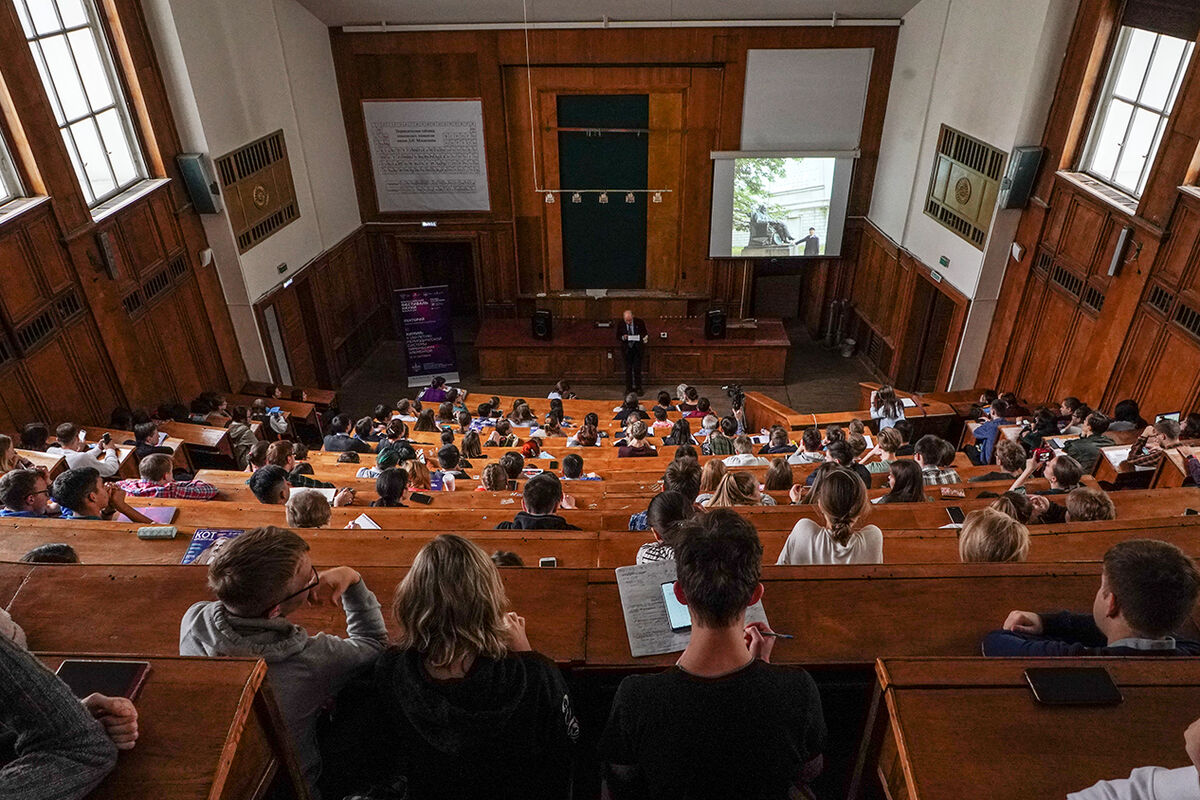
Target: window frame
{"x": 96, "y": 23}
{"x": 1108, "y": 95}
{"x": 11, "y": 186}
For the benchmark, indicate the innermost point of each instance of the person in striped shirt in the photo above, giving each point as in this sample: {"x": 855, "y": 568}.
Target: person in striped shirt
{"x": 155, "y": 481}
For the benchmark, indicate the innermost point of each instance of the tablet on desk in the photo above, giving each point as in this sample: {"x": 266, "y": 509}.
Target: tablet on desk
{"x": 110, "y": 678}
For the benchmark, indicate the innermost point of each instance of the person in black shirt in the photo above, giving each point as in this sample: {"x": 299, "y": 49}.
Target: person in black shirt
{"x": 905, "y": 427}
{"x": 540, "y": 498}
{"x": 146, "y": 441}
{"x": 722, "y": 722}
{"x": 339, "y": 439}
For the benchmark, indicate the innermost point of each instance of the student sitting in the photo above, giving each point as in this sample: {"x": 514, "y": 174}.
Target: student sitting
{"x": 743, "y": 454}
{"x": 812, "y": 450}
{"x": 988, "y": 535}
{"x": 1086, "y": 449}
{"x": 777, "y": 443}
{"x": 722, "y": 722}
{"x": 426, "y": 423}
{"x": 1034, "y": 435}
{"x": 1063, "y": 473}
{"x": 82, "y": 494}
{"x": 886, "y": 408}
{"x": 779, "y": 476}
{"x": 679, "y": 476}
{"x": 561, "y": 391}
{"x": 493, "y": 479}
{"x": 884, "y": 452}
{"x": 145, "y": 441}
{"x": 660, "y": 420}
{"x": 257, "y": 457}
{"x": 460, "y": 706}
{"x": 1015, "y": 505}
{"x": 1010, "y": 457}
{"x": 720, "y": 441}
{"x": 155, "y": 481}
{"x": 392, "y": 487}
{"x": 387, "y": 458}
{"x": 931, "y": 453}
{"x": 51, "y": 553}
{"x": 906, "y": 483}
{"x": 738, "y": 489}
{"x": 540, "y": 499}
{"x": 26, "y": 493}
{"x": 586, "y": 436}
{"x": 840, "y": 452}
{"x": 241, "y": 435}
{"x": 34, "y": 436}
{"x": 987, "y": 434}
{"x": 513, "y": 463}
{"x": 502, "y": 435}
{"x": 1127, "y": 417}
{"x": 638, "y": 444}
{"x": 1148, "y": 589}
{"x": 259, "y": 578}
{"x": 448, "y": 458}
{"x": 1153, "y": 444}
{"x": 60, "y": 747}
{"x": 1153, "y": 783}
{"x": 688, "y": 398}
{"x": 710, "y": 478}
{"x": 435, "y": 392}
{"x": 270, "y": 485}
{"x": 666, "y": 511}
{"x": 841, "y": 497}
{"x": 663, "y": 404}
{"x": 339, "y": 439}
{"x": 283, "y": 454}
{"x": 522, "y": 416}
{"x": 1084, "y": 504}
{"x": 78, "y": 454}
{"x": 307, "y": 508}
{"x": 572, "y": 469}
{"x": 630, "y": 410}
{"x": 681, "y": 433}
{"x": 703, "y": 408}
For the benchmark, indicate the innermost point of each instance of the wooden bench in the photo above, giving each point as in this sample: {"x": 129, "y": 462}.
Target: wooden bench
{"x": 322, "y": 398}
{"x": 208, "y": 729}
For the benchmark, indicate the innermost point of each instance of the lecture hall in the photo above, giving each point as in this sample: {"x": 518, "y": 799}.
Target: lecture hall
{"x": 574, "y": 400}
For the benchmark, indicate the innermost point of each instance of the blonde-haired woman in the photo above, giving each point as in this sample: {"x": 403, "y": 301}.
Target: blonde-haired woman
{"x": 738, "y": 489}
{"x": 638, "y": 444}
{"x": 990, "y": 535}
{"x": 9, "y": 457}
{"x": 841, "y": 498}
{"x": 886, "y": 445}
{"x": 460, "y": 705}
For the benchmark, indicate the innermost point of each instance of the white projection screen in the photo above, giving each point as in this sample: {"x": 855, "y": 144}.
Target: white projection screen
{"x": 785, "y": 193}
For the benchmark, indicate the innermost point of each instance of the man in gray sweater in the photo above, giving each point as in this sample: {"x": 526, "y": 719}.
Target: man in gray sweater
{"x": 259, "y": 578}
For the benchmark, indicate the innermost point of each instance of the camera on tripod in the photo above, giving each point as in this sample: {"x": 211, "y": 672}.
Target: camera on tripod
{"x": 736, "y": 396}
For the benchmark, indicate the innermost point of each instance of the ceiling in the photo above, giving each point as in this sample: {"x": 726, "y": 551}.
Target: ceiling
{"x": 447, "y": 12}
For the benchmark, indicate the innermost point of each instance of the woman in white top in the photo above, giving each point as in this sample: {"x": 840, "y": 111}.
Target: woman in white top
{"x": 886, "y": 407}
{"x": 842, "y": 499}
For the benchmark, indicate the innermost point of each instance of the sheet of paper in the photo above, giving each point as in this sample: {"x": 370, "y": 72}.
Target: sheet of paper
{"x": 646, "y": 621}
{"x": 163, "y": 515}
{"x": 162, "y": 437}
{"x": 1116, "y": 455}
{"x": 363, "y": 521}
{"x": 908, "y": 402}
{"x": 326, "y": 493}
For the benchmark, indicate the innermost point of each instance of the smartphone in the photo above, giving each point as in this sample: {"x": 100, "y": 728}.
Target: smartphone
{"x": 1043, "y": 454}
{"x": 1073, "y": 686}
{"x": 677, "y": 613}
{"x": 112, "y": 678}
{"x": 1190, "y": 512}
{"x": 548, "y": 561}
{"x": 421, "y": 497}
{"x": 106, "y": 438}
{"x": 956, "y": 514}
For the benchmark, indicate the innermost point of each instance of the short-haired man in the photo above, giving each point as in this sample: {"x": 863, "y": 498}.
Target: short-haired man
{"x": 905, "y": 428}
{"x": 1086, "y": 449}
{"x": 82, "y": 494}
{"x": 722, "y": 722}
{"x": 105, "y": 459}
{"x": 681, "y": 476}
{"x": 987, "y": 434}
{"x": 145, "y": 441}
{"x": 1150, "y": 448}
{"x": 1010, "y": 457}
{"x": 155, "y": 481}
{"x": 448, "y": 457}
{"x": 777, "y": 442}
{"x": 1148, "y": 589}
{"x": 632, "y": 336}
{"x": 811, "y": 450}
{"x": 1063, "y": 473}
{"x": 307, "y": 508}
{"x": 25, "y": 493}
{"x": 720, "y": 441}
{"x": 283, "y": 454}
{"x": 339, "y": 439}
{"x": 270, "y": 485}
{"x": 929, "y": 453}
{"x": 259, "y": 578}
{"x": 572, "y": 469}
{"x": 540, "y": 500}
{"x": 743, "y": 454}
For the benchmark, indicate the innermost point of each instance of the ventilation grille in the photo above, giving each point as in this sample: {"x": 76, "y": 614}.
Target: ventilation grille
{"x": 1188, "y": 319}
{"x": 132, "y": 302}
{"x": 68, "y": 305}
{"x": 1107, "y": 192}
{"x": 1160, "y": 299}
{"x": 964, "y": 185}
{"x": 1068, "y": 280}
{"x": 268, "y": 226}
{"x": 36, "y": 331}
{"x": 254, "y": 157}
{"x": 5, "y": 351}
{"x": 157, "y": 284}
{"x": 1093, "y": 298}
{"x": 1043, "y": 261}
{"x": 874, "y": 347}
{"x": 178, "y": 266}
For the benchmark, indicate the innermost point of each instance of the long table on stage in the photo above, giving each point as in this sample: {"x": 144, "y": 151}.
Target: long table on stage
{"x": 580, "y": 351}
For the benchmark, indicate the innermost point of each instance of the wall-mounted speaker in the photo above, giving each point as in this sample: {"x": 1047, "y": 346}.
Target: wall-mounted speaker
{"x": 1017, "y": 186}
{"x": 543, "y": 325}
{"x": 201, "y": 182}
{"x": 714, "y": 324}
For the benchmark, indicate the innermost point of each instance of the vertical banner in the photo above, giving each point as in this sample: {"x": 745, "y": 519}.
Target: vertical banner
{"x": 424, "y": 315}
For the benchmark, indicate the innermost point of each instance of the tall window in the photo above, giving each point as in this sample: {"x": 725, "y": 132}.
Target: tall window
{"x": 1143, "y": 80}
{"x": 10, "y": 184}
{"x": 77, "y": 70}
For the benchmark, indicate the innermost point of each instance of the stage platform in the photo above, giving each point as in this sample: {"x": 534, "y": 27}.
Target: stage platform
{"x": 579, "y": 351}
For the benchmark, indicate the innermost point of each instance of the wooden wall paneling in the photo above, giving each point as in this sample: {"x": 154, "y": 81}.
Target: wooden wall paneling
{"x": 1083, "y": 231}
{"x": 694, "y": 187}
{"x": 1052, "y": 325}
{"x": 1014, "y": 355}
{"x": 1179, "y": 260}
{"x": 665, "y": 168}
{"x": 96, "y": 385}
{"x": 1172, "y": 382}
{"x": 43, "y": 241}
{"x": 1138, "y": 356}
{"x": 142, "y": 242}
{"x": 1069, "y": 379}
{"x": 23, "y": 295}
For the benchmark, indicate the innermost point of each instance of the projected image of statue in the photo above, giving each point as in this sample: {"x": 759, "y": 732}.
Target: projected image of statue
{"x": 773, "y": 198}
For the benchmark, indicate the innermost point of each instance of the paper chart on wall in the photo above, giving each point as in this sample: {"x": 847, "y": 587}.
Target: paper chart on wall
{"x": 427, "y": 155}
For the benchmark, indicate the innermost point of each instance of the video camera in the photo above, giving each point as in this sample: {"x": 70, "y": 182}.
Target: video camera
{"x": 736, "y": 396}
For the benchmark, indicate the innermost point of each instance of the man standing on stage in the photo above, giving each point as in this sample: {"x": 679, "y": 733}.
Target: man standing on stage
{"x": 631, "y": 333}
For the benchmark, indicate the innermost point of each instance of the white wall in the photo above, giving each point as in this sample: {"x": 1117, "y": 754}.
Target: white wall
{"x": 988, "y": 69}
{"x": 237, "y": 71}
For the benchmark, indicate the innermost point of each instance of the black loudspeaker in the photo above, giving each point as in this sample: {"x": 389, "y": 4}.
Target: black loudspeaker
{"x": 200, "y": 182}
{"x": 714, "y": 324}
{"x": 1018, "y": 182}
{"x": 543, "y": 324}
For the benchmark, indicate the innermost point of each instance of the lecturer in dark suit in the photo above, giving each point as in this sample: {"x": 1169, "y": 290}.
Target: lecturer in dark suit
{"x": 631, "y": 333}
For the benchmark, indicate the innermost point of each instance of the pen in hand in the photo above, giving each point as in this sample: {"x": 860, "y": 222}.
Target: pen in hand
{"x": 777, "y": 635}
